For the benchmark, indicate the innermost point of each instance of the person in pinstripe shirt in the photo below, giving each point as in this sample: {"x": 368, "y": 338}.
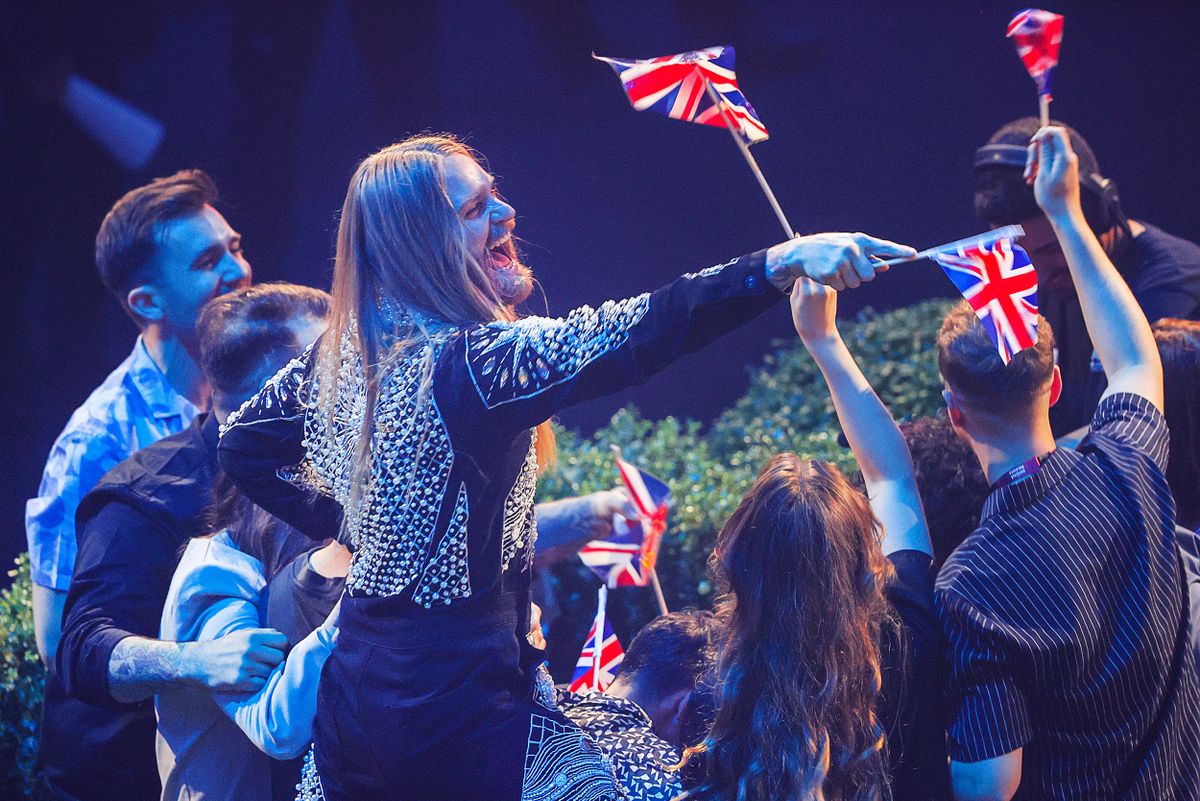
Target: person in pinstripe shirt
{"x": 1070, "y": 673}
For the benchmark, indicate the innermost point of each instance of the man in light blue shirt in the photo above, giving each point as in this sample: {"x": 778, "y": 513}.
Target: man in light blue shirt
{"x": 164, "y": 251}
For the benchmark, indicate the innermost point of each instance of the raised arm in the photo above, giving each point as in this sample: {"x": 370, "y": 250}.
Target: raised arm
{"x": 874, "y": 438}
{"x": 1118, "y": 327}
{"x": 526, "y": 371}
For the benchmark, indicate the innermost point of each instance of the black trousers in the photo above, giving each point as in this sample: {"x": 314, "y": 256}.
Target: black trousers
{"x": 444, "y": 704}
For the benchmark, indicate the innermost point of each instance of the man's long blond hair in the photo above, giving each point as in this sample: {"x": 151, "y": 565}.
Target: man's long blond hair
{"x": 402, "y": 255}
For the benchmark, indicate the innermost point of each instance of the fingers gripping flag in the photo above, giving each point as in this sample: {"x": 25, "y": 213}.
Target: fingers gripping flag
{"x": 627, "y": 557}
{"x": 1037, "y": 35}
{"x": 1000, "y": 283}
{"x": 601, "y": 657}
{"x": 675, "y": 86}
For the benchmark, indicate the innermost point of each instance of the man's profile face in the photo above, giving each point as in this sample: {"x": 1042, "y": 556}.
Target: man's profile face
{"x": 198, "y": 258}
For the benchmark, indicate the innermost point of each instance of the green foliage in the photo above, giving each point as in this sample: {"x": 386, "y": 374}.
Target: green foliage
{"x": 786, "y": 408}
{"x": 21, "y": 679}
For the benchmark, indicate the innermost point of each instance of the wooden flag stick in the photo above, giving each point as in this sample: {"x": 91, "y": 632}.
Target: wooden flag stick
{"x": 1044, "y": 109}
{"x": 1007, "y": 232}
{"x": 658, "y": 593}
{"x": 742, "y": 146}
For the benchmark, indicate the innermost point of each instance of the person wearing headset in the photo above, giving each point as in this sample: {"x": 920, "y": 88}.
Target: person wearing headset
{"x": 1162, "y": 270}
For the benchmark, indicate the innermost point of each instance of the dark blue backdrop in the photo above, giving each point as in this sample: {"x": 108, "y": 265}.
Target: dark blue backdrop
{"x": 873, "y": 108}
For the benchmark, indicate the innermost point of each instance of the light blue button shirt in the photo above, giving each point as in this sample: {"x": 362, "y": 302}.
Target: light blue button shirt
{"x": 134, "y": 407}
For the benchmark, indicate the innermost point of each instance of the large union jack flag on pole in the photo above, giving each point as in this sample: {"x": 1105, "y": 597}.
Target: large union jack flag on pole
{"x": 1000, "y": 283}
{"x": 674, "y": 86}
{"x": 627, "y": 557}
{"x": 601, "y": 656}
{"x": 1037, "y": 35}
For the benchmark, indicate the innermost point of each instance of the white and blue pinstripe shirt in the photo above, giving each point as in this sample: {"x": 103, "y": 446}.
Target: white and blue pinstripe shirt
{"x": 1067, "y": 622}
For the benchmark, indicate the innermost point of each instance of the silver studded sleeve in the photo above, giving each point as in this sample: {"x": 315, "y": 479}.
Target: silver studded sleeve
{"x": 525, "y": 371}
{"x": 262, "y": 450}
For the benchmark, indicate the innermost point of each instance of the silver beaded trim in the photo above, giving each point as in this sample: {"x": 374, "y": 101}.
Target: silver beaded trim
{"x": 511, "y": 361}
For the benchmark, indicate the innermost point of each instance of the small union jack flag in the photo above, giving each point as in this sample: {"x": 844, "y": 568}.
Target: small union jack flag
{"x": 601, "y": 658}
{"x": 675, "y": 86}
{"x": 626, "y": 558}
{"x": 1037, "y": 35}
{"x": 1000, "y": 283}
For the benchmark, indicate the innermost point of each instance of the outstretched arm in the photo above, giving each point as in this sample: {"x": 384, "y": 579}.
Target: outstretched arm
{"x": 1115, "y": 322}
{"x": 874, "y": 438}
{"x": 526, "y": 371}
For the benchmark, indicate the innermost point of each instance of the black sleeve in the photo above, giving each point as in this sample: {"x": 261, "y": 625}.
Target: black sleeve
{"x": 523, "y": 372}
{"x": 123, "y": 569}
{"x": 912, "y": 655}
{"x": 262, "y": 451}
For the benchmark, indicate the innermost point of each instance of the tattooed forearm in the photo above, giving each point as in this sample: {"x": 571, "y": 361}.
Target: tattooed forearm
{"x": 140, "y": 667}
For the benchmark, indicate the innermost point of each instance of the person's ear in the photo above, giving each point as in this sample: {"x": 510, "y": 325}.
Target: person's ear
{"x": 1055, "y": 386}
{"x": 672, "y": 732}
{"x": 953, "y": 410}
{"x": 144, "y": 301}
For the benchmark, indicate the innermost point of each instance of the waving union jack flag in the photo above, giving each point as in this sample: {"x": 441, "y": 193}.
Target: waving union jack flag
{"x": 626, "y": 558}
{"x": 1000, "y": 283}
{"x": 674, "y": 85}
{"x": 1037, "y": 35}
{"x": 601, "y": 658}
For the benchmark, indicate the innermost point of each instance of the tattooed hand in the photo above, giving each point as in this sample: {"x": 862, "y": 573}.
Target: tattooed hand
{"x": 239, "y": 662}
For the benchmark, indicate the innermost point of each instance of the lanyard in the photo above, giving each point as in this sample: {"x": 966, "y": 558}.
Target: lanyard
{"x": 1022, "y": 471}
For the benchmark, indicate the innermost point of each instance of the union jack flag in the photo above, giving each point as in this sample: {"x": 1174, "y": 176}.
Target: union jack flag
{"x": 1037, "y": 35}
{"x": 627, "y": 557}
{"x": 600, "y": 659}
{"x": 674, "y": 85}
{"x": 1000, "y": 283}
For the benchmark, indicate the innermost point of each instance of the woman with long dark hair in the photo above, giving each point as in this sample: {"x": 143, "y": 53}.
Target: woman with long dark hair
{"x": 418, "y": 423}
{"x": 827, "y": 683}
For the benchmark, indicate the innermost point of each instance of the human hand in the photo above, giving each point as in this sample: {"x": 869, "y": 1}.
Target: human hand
{"x": 606, "y": 503}
{"x": 536, "y": 636}
{"x": 836, "y": 260}
{"x": 814, "y": 311}
{"x": 237, "y": 662}
{"x": 1053, "y": 169}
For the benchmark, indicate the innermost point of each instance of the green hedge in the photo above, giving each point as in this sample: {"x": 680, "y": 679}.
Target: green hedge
{"x": 21, "y": 678}
{"x": 785, "y": 408}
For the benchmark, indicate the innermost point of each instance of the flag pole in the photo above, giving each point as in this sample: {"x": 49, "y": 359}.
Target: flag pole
{"x": 658, "y": 593}
{"x": 1044, "y": 109}
{"x": 742, "y": 146}
{"x": 598, "y": 640}
{"x": 1007, "y": 232}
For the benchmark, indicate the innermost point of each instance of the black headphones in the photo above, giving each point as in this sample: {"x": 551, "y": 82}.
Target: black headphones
{"x": 1102, "y": 188}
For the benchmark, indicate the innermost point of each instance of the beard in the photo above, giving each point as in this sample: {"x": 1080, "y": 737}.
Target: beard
{"x": 511, "y": 279}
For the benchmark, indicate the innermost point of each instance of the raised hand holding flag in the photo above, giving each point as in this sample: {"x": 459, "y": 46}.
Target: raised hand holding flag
{"x": 1037, "y": 35}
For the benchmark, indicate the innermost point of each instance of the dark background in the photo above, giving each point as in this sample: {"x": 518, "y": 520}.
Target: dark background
{"x": 874, "y": 110}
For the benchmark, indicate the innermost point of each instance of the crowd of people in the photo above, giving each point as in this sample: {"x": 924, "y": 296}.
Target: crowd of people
{"x": 286, "y": 549}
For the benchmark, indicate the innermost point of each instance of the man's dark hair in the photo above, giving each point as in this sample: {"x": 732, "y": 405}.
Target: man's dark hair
{"x": 1003, "y": 198}
{"x": 949, "y": 479}
{"x": 1179, "y": 346}
{"x": 975, "y": 372}
{"x": 246, "y": 336}
{"x": 672, "y": 652}
{"x": 130, "y": 231}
